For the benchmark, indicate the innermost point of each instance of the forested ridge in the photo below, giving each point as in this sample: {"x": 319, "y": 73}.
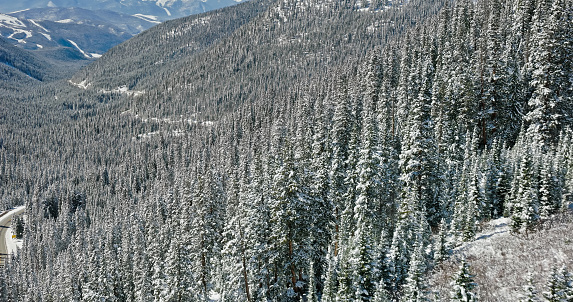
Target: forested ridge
{"x": 352, "y": 184}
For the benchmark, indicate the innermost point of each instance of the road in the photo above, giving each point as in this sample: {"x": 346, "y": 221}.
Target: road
{"x": 5, "y": 221}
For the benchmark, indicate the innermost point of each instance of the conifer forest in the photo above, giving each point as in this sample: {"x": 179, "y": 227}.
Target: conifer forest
{"x": 299, "y": 150}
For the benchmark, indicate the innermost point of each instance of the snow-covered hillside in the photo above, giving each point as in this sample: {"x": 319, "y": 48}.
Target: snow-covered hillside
{"x": 92, "y": 33}
{"x": 161, "y": 9}
{"x": 502, "y": 262}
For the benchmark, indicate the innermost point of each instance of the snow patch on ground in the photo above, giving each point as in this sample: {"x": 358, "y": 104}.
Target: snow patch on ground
{"x": 95, "y": 55}
{"x": 11, "y": 21}
{"x": 65, "y": 21}
{"x": 124, "y": 90}
{"x": 38, "y": 25}
{"x": 83, "y": 84}
{"x": 47, "y": 36}
{"x": 214, "y": 296}
{"x": 148, "y": 18}
{"x": 167, "y": 11}
{"x": 501, "y": 260}
{"x": 81, "y": 50}
{"x": 17, "y": 31}
{"x": 19, "y": 11}
{"x": 491, "y": 231}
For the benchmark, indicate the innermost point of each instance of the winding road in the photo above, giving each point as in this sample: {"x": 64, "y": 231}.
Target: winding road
{"x": 5, "y": 220}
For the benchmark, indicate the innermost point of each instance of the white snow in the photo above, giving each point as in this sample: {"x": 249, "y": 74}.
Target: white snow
{"x": 501, "y": 260}
{"x": 491, "y": 231}
{"x": 16, "y": 25}
{"x": 148, "y": 18}
{"x": 66, "y": 21}
{"x": 19, "y": 11}
{"x": 78, "y": 48}
{"x": 83, "y": 84}
{"x": 95, "y": 55}
{"x": 167, "y": 11}
{"x": 39, "y": 46}
{"x": 214, "y": 296}
{"x": 11, "y": 21}
{"x": 124, "y": 90}
{"x": 40, "y": 26}
{"x": 163, "y": 3}
{"x": 17, "y": 31}
{"x": 47, "y": 36}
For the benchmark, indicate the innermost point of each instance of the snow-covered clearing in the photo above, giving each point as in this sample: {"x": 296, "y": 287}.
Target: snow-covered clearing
{"x": 47, "y": 36}
{"x": 11, "y": 21}
{"x": 502, "y": 261}
{"x": 121, "y": 89}
{"x": 124, "y": 90}
{"x": 79, "y": 49}
{"x": 65, "y": 21}
{"x": 148, "y": 18}
{"x": 82, "y": 85}
{"x": 38, "y": 25}
{"x": 19, "y": 11}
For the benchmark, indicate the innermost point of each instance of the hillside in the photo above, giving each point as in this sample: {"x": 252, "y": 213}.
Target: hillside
{"x": 300, "y": 151}
{"x": 503, "y": 264}
{"x": 20, "y": 66}
{"x": 90, "y": 33}
{"x": 211, "y": 55}
{"x": 150, "y": 9}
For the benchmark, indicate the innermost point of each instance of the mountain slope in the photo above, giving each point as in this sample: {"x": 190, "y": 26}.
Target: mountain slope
{"x": 20, "y": 69}
{"x": 90, "y": 33}
{"x": 157, "y": 49}
{"x": 161, "y": 9}
{"x": 289, "y": 41}
{"x": 120, "y": 22}
{"x": 503, "y": 262}
{"x": 20, "y": 65}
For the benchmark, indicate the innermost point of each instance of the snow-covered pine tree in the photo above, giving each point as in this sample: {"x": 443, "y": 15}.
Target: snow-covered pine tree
{"x": 415, "y": 284}
{"x": 330, "y": 289}
{"x": 463, "y": 285}
{"x": 381, "y": 295}
{"x": 549, "y": 203}
{"x": 550, "y": 46}
{"x": 441, "y": 247}
{"x": 339, "y": 137}
{"x": 363, "y": 244}
{"x": 559, "y": 286}
{"x": 530, "y": 291}
{"x": 525, "y": 209}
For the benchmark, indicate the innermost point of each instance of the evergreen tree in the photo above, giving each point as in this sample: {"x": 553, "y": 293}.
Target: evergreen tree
{"x": 559, "y": 285}
{"x": 463, "y": 285}
{"x": 415, "y": 284}
{"x": 530, "y": 292}
{"x": 525, "y": 210}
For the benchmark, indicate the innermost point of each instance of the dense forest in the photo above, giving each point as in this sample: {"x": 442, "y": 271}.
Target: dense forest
{"x": 333, "y": 177}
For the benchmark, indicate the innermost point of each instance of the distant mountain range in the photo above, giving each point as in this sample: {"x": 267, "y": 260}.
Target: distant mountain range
{"x": 155, "y": 9}
{"x": 91, "y": 33}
